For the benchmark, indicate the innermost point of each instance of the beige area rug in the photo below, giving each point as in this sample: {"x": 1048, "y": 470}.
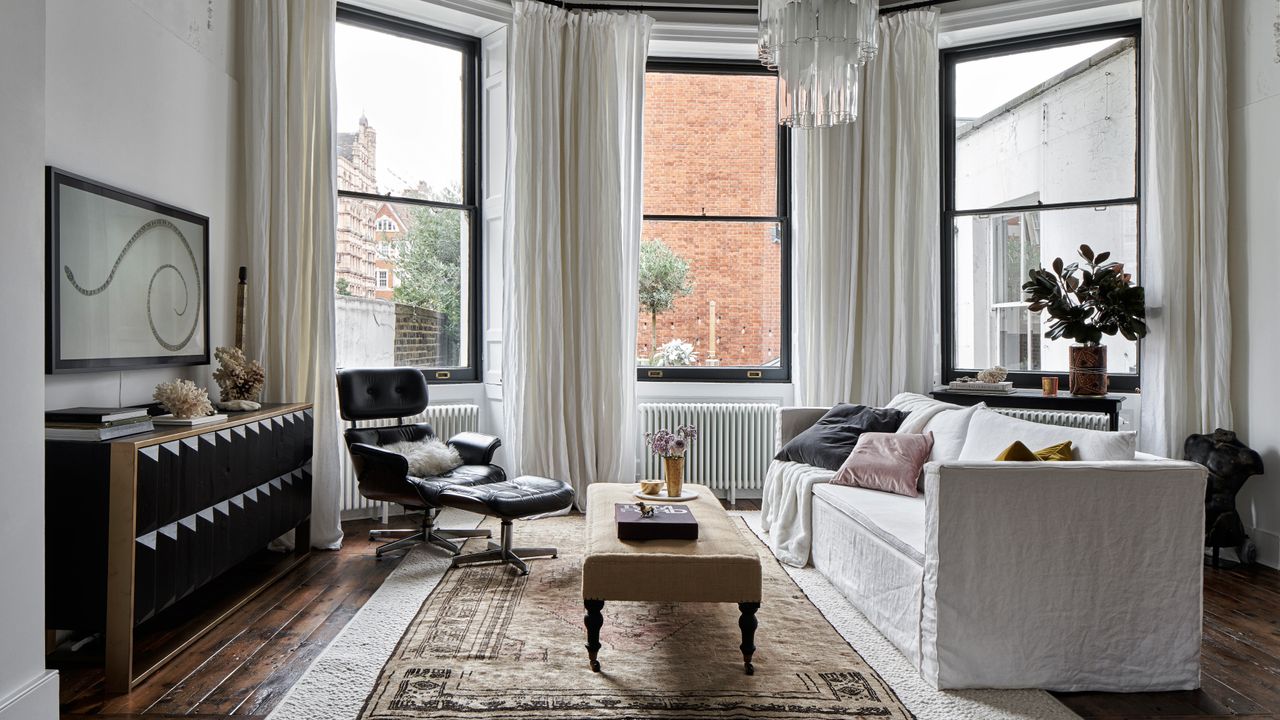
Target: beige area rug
{"x": 489, "y": 644}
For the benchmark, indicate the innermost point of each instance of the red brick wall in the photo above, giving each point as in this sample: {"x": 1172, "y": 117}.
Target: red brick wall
{"x": 710, "y": 146}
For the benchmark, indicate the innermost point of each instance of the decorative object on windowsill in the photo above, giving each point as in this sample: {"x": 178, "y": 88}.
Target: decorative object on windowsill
{"x": 1086, "y": 303}
{"x": 1230, "y": 463}
{"x": 676, "y": 353}
{"x": 187, "y": 403}
{"x": 671, "y": 447}
{"x": 1049, "y": 386}
{"x": 993, "y": 375}
{"x": 978, "y": 386}
{"x": 817, "y": 47}
{"x": 239, "y": 380}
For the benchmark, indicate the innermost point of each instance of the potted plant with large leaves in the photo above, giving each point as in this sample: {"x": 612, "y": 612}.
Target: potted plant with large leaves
{"x": 1087, "y": 301}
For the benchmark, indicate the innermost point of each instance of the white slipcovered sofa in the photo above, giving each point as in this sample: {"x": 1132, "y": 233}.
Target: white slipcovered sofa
{"x": 1071, "y": 576}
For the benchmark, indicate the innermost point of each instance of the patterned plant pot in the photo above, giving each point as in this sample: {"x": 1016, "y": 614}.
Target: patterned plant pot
{"x": 1088, "y": 364}
{"x": 674, "y": 467}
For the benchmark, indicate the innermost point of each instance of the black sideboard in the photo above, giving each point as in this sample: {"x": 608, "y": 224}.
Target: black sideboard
{"x": 1036, "y": 400}
{"x": 140, "y": 529}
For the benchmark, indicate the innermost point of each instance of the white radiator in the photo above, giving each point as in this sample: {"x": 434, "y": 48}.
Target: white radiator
{"x": 734, "y": 446}
{"x": 1085, "y": 420}
{"x": 446, "y": 420}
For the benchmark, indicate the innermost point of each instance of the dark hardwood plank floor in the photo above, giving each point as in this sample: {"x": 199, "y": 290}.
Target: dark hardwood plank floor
{"x": 244, "y": 667}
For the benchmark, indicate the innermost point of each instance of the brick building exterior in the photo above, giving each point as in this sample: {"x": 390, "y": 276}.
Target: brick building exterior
{"x": 710, "y": 147}
{"x": 356, "y": 250}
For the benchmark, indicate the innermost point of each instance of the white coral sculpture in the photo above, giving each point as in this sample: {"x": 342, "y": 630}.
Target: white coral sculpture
{"x": 993, "y": 375}
{"x": 238, "y": 377}
{"x": 184, "y": 399}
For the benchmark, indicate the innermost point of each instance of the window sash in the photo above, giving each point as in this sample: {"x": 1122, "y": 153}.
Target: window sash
{"x": 1121, "y": 382}
{"x": 471, "y": 171}
{"x": 782, "y": 372}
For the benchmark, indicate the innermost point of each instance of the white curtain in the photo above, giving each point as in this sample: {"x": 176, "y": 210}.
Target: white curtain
{"x": 1186, "y": 358}
{"x": 572, "y": 241}
{"x": 866, "y": 233}
{"x": 287, "y": 101}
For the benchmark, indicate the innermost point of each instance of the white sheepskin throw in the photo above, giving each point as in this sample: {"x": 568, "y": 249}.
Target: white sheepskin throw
{"x": 427, "y": 457}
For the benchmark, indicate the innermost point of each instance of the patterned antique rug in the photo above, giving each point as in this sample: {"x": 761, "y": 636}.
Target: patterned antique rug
{"x": 490, "y": 644}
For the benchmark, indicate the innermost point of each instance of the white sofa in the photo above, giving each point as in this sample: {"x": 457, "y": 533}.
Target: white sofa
{"x": 1060, "y": 575}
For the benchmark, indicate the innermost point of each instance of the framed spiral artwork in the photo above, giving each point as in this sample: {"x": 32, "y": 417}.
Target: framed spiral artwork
{"x": 127, "y": 279}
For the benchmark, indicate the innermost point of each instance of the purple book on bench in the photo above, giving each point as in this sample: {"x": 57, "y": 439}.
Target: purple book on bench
{"x": 669, "y": 522}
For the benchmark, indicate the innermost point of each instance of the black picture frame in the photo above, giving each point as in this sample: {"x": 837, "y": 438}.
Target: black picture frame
{"x": 59, "y": 279}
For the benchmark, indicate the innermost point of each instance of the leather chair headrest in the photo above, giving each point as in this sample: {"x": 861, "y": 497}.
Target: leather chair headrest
{"x": 378, "y": 393}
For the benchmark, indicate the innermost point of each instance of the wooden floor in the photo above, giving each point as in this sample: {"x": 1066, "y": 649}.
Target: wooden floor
{"x": 243, "y": 668}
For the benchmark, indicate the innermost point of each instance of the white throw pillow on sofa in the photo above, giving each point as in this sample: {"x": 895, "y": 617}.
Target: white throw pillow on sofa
{"x": 990, "y": 433}
{"x": 950, "y": 430}
{"x": 949, "y": 423}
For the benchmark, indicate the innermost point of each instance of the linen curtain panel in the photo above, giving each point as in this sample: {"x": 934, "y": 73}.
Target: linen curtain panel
{"x": 1186, "y": 357}
{"x": 287, "y": 100}
{"x": 572, "y": 241}
{"x": 866, "y": 211}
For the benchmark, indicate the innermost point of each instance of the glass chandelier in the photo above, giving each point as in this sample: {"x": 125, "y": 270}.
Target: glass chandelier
{"x": 817, "y": 47}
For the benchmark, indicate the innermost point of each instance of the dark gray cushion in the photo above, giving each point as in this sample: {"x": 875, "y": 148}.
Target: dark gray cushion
{"x": 830, "y": 440}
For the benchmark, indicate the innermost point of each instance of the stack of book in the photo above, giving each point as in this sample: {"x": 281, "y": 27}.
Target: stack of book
{"x": 95, "y": 423}
{"x": 981, "y": 388}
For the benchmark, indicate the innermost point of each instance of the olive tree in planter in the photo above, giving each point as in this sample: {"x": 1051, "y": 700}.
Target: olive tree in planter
{"x": 1086, "y": 302}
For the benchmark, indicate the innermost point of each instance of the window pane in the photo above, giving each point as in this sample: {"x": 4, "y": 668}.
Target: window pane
{"x": 710, "y": 144}
{"x": 993, "y": 254}
{"x": 1053, "y": 125}
{"x": 403, "y": 280}
{"x": 400, "y": 112}
{"x": 715, "y": 286}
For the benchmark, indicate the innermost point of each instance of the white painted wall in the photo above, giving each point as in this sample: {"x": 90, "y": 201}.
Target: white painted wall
{"x": 365, "y": 332}
{"x": 27, "y": 691}
{"x": 1253, "y": 98}
{"x": 139, "y": 94}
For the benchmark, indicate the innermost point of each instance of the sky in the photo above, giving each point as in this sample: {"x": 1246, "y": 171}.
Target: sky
{"x": 983, "y": 85}
{"x": 411, "y": 93}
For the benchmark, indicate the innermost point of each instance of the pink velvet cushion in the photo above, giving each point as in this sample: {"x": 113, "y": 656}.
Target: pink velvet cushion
{"x": 886, "y": 461}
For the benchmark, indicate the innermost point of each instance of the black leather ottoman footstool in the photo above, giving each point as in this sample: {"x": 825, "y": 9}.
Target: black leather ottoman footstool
{"x": 522, "y": 497}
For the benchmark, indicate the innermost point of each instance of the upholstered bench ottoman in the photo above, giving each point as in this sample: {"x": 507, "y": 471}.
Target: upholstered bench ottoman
{"x": 522, "y": 497}
{"x": 720, "y": 566}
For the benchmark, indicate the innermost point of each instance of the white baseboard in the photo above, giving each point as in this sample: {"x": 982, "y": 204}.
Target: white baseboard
{"x": 38, "y": 700}
{"x": 1268, "y": 546}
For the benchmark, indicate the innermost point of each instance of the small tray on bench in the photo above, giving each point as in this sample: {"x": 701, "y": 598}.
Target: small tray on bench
{"x": 669, "y": 522}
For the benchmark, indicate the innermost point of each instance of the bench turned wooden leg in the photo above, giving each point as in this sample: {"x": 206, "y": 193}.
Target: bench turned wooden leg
{"x": 594, "y": 620}
{"x": 747, "y": 623}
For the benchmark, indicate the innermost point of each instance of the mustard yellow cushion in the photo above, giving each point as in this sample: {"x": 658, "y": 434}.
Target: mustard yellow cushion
{"x": 1060, "y": 452}
{"x": 1018, "y": 452}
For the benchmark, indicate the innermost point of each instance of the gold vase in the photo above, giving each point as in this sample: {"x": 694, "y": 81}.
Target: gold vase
{"x": 674, "y": 467}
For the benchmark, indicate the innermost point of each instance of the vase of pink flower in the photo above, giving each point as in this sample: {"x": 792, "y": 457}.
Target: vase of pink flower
{"x": 672, "y": 446}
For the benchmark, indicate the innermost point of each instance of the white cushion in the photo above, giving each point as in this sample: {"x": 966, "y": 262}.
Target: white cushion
{"x": 898, "y": 520}
{"x": 950, "y": 429}
{"x": 990, "y": 433}
{"x": 948, "y": 423}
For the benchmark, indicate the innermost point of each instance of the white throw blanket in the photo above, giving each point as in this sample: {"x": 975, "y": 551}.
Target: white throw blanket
{"x": 786, "y": 508}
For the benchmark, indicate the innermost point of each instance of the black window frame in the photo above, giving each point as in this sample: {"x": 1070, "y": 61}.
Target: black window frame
{"x": 737, "y": 374}
{"x": 949, "y": 58}
{"x": 471, "y": 170}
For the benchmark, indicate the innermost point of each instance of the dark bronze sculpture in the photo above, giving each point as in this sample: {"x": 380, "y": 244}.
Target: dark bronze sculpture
{"x": 1230, "y": 463}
